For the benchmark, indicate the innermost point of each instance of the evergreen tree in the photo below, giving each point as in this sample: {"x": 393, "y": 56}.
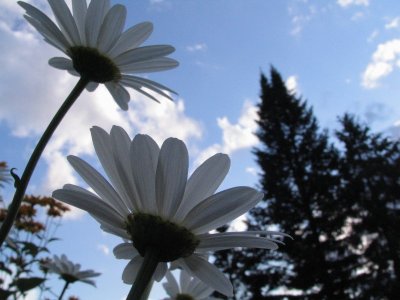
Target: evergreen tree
{"x": 340, "y": 203}
{"x": 370, "y": 172}
{"x": 299, "y": 176}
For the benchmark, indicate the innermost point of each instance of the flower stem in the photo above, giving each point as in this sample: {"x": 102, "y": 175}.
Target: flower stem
{"x": 22, "y": 184}
{"x": 144, "y": 277}
{"x": 63, "y": 291}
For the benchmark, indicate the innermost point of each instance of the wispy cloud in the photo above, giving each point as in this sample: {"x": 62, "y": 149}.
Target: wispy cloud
{"x": 347, "y": 3}
{"x": 197, "y": 47}
{"x": 374, "y": 34}
{"x": 393, "y": 23}
{"x": 104, "y": 249}
{"x": 300, "y": 13}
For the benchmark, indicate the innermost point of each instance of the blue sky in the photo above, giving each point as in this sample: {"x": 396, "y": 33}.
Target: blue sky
{"x": 340, "y": 55}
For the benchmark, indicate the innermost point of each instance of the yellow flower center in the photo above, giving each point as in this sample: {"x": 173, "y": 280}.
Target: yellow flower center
{"x": 184, "y": 297}
{"x": 69, "y": 278}
{"x": 90, "y": 63}
{"x": 172, "y": 241}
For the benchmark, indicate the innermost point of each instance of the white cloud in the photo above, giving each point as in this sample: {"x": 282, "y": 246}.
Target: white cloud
{"x": 357, "y": 16}
{"x": 235, "y": 136}
{"x": 163, "y": 120}
{"x": 298, "y": 23}
{"x": 292, "y": 84}
{"x": 392, "y": 24}
{"x": 383, "y": 61}
{"x": 251, "y": 170}
{"x": 372, "y": 36}
{"x": 197, "y": 47}
{"x": 346, "y": 3}
{"x": 104, "y": 249}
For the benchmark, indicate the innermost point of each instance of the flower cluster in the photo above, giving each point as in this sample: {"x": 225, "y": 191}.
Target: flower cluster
{"x": 165, "y": 218}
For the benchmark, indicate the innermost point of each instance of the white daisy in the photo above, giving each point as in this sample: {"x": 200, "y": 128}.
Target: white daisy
{"x": 99, "y": 50}
{"x": 69, "y": 271}
{"x": 151, "y": 204}
{"x": 189, "y": 288}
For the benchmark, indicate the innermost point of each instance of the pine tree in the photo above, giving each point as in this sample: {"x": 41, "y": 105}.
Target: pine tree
{"x": 370, "y": 172}
{"x": 339, "y": 201}
{"x": 299, "y": 176}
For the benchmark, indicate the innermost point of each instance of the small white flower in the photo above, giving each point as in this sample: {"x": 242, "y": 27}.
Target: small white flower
{"x": 150, "y": 203}
{"x": 69, "y": 271}
{"x": 189, "y": 288}
{"x": 99, "y": 50}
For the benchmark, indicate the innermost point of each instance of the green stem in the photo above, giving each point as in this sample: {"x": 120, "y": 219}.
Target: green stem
{"x": 64, "y": 289}
{"x": 144, "y": 277}
{"x": 37, "y": 152}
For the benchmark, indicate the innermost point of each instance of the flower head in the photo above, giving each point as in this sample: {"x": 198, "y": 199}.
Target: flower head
{"x": 69, "y": 271}
{"x": 151, "y": 204}
{"x": 189, "y": 288}
{"x": 92, "y": 37}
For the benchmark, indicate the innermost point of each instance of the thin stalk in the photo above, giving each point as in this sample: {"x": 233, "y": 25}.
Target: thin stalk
{"x": 63, "y": 291}
{"x": 144, "y": 277}
{"x": 22, "y": 183}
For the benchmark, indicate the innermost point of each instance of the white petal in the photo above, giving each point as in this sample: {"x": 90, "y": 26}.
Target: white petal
{"x": 171, "y": 176}
{"x": 125, "y": 251}
{"x": 227, "y": 240}
{"x": 61, "y": 63}
{"x": 121, "y": 143}
{"x": 142, "y": 82}
{"x": 131, "y": 270}
{"x": 137, "y": 87}
{"x": 132, "y": 38}
{"x": 79, "y": 9}
{"x": 99, "y": 184}
{"x": 203, "y": 182}
{"x": 66, "y": 21}
{"x": 118, "y": 231}
{"x": 171, "y": 286}
{"x": 111, "y": 28}
{"x": 119, "y": 93}
{"x": 91, "y": 85}
{"x": 47, "y": 29}
{"x": 221, "y": 208}
{"x": 154, "y": 65}
{"x": 160, "y": 271}
{"x": 200, "y": 290}
{"x": 143, "y": 54}
{"x": 91, "y": 204}
{"x": 207, "y": 273}
{"x": 184, "y": 281}
{"x": 94, "y": 18}
{"x": 103, "y": 146}
{"x": 144, "y": 153}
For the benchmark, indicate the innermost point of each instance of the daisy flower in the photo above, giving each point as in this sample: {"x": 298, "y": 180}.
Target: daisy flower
{"x": 157, "y": 210}
{"x": 69, "y": 271}
{"x": 189, "y": 288}
{"x": 99, "y": 50}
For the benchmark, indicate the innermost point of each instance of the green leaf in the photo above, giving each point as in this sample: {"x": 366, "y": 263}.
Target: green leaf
{"x": 30, "y": 248}
{"x": 26, "y": 284}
